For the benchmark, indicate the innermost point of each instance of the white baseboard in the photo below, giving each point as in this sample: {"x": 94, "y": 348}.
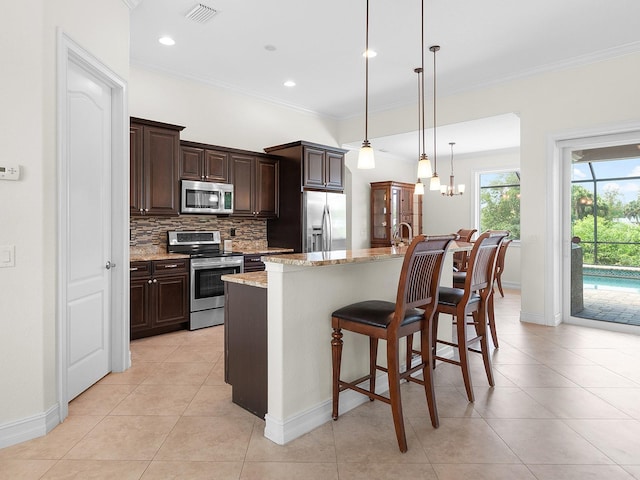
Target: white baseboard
{"x": 282, "y": 432}
{"x": 29, "y": 428}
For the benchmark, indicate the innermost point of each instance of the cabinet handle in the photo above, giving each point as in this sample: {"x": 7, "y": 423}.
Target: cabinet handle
{"x": 173, "y": 265}
{"x": 141, "y": 210}
{"x": 149, "y": 282}
{"x": 133, "y": 269}
{"x": 254, "y": 259}
{"x": 202, "y": 177}
{"x": 155, "y": 280}
{"x": 146, "y": 209}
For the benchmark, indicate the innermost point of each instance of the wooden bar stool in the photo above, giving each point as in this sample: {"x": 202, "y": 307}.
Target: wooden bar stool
{"x": 472, "y": 299}
{"x": 412, "y": 312}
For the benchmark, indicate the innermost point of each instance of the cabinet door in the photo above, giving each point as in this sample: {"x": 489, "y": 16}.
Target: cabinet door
{"x": 334, "y": 171}
{"x": 191, "y": 162}
{"x": 266, "y": 199}
{"x": 161, "y": 164}
{"x": 313, "y": 168}
{"x": 139, "y": 314}
{"x": 380, "y": 227}
{"x": 216, "y": 166}
{"x": 243, "y": 177}
{"x": 136, "y": 160}
{"x": 172, "y": 299}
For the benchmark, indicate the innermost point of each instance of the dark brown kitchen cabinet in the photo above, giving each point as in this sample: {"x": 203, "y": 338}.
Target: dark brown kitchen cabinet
{"x": 323, "y": 169}
{"x": 319, "y": 167}
{"x": 393, "y": 203}
{"x": 154, "y": 167}
{"x": 255, "y": 183}
{"x": 159, "y": 297}
{"x": 201, "y": 163}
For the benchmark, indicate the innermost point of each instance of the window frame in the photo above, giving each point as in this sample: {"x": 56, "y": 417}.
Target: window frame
{"x": 477, "y": 190}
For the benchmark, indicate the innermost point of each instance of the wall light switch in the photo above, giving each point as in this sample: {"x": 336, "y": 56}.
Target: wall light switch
{"x": 7, "y": 256}
{"x": 9, "y": 172}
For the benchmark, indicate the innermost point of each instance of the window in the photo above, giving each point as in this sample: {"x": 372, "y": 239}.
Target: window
{"x": 499, "y": 202}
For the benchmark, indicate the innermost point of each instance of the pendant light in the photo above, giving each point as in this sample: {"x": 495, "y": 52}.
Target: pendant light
{"x": 435, "y": 180}
{"x": 365, "y": 157}
{"x": 424, "y": 165}
{"x": 450, "y": 190}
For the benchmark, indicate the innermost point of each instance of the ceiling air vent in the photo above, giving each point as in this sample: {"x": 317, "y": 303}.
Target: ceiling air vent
{"x": 201, "y": 13}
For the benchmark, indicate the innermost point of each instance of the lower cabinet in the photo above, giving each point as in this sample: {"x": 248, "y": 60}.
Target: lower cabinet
{"x": 159, "y": 297}
{"x": 253, "y": 262}
{"x": 245, "y": 346}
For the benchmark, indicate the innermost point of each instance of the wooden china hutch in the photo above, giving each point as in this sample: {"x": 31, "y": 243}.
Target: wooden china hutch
{"x": 393, "y": 203}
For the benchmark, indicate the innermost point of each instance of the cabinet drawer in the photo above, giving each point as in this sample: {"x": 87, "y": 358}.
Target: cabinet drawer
{"x": 168, "y": 267}
{"x": 140, "y": 269}
{"x": 253, "y": 263}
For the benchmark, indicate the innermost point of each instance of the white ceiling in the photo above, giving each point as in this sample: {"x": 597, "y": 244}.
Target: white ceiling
{"x": 319, "y": 45}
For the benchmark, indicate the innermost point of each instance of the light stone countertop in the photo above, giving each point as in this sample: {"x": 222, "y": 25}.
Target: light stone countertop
{"x": 339, "y": 257}
{"x": 155, "y": 252}
{"x": 254, "y": 279}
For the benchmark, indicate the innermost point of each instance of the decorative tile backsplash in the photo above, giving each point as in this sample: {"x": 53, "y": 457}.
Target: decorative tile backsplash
{"x": 152, "y": 231}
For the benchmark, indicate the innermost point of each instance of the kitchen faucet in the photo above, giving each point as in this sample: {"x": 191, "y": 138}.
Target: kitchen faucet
{"x": 397, "y": 231}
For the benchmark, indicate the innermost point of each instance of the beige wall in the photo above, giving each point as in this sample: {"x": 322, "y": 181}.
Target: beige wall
{"x": 28, "y": 217}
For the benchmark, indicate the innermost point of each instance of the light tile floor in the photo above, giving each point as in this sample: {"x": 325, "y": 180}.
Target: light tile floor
{"x": 566, "y": 405}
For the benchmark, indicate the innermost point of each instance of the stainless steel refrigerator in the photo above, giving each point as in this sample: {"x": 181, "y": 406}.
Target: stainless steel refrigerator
{"x": 324, "y": 221}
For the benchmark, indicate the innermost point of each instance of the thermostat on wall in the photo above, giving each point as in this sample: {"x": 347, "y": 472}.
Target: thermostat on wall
{"x": 9, "y": 172}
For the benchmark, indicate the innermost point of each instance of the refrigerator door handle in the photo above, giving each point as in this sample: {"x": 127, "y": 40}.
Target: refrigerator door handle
{"x": 323, "y": 234}
{"x": 329, "y": 228}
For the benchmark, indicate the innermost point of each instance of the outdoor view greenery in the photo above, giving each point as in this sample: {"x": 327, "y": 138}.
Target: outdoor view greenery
{"x": 606, "y": 218}
{"x": 500, "y": 202}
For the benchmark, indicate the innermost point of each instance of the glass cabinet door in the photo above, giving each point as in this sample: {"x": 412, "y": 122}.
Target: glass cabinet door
{"x": 379, "y": 214}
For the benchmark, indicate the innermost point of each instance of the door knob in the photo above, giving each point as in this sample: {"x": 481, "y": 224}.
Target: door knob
{"x": 110, "y": 265}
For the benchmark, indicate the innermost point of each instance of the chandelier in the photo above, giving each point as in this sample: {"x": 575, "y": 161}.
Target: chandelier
{"x": 451, "y": 189}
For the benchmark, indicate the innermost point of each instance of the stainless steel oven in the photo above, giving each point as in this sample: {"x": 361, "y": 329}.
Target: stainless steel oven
{"x": 208, "y": 264}
{"x": 207, "y": 289}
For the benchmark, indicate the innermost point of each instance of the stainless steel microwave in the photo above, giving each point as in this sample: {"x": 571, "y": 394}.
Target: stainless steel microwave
{"x": 206, "y": 197}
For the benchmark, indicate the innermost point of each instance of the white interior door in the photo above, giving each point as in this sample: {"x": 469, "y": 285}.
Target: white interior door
{"x": 88, "y": 229}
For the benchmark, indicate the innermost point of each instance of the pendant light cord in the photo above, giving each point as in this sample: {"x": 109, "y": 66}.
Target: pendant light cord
{"x": 434, "y": 49}
{"x": 366, "y": 78}
{"x": 424, "y": 133}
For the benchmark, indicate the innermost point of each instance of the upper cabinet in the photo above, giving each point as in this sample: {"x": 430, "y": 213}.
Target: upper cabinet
{"x": 154, "y": 164}
{"x": 203, "y": 163}
{"x": 319, "y": 167}
{"x": 255, "y": 185}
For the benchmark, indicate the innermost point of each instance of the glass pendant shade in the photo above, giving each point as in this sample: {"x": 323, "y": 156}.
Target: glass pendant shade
{"x": 435, "y": 182}
{"x": 419, "y": 188}
{"x": 424, "y": 167}
{"x": 365, "y": 157}
{"x": 461, "y": 188}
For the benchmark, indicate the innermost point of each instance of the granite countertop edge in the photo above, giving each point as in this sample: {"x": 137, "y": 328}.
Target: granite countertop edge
{"x": 254, "y": 279}
{"x": 145, "y": 254}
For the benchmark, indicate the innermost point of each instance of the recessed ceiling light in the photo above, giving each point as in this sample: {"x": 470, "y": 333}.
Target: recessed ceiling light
{"x": 270, "y": 48}
{"x": 289, "y": 83}
{"x": 167, "y": 41}
{"x": 369, "y": 53}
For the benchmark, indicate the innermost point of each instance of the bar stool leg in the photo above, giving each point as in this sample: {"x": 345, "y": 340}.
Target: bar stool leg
{"x": 336, "y": 357}
{"x": 393, "y": 364}
{"x": 373, "y": 359}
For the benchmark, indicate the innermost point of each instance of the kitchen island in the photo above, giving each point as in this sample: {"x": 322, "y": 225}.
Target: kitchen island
{"x": 303, "y": 291}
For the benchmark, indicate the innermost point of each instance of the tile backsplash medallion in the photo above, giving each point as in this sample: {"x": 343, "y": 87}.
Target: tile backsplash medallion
{"x": 152, "y": 231}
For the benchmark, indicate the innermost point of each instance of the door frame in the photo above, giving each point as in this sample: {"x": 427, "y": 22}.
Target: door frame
{"x": 558, "y": 285}
{"x": 68, "y": 51}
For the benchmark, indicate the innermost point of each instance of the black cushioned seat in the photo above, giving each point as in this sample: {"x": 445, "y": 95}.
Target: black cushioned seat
{"x": 376, "y": 313}
{"x": 452, "y": 296}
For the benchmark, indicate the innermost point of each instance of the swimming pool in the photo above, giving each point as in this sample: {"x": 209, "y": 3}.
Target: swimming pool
{"x": 596, "y": 282}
